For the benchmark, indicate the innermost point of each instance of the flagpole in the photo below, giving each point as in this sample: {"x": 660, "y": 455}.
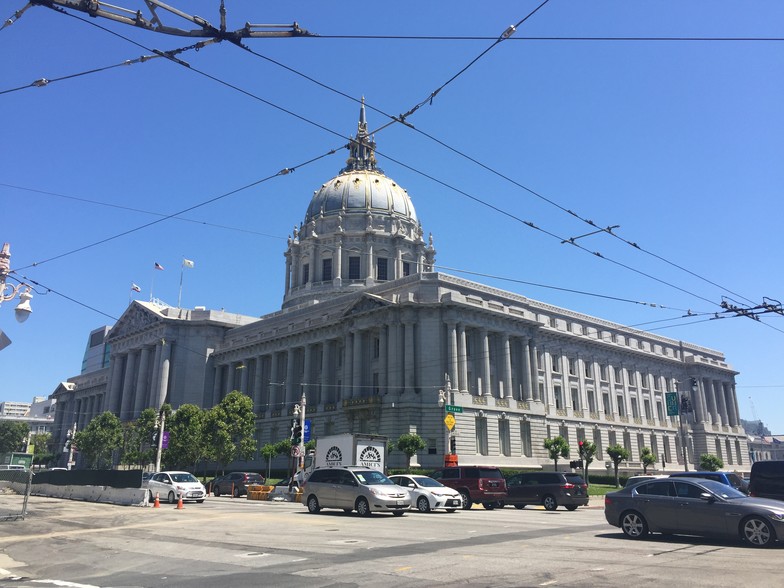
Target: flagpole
{"x": 179, "y": 296}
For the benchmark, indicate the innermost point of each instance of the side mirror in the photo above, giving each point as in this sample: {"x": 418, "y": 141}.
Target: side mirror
{"x": 708, "y": 497}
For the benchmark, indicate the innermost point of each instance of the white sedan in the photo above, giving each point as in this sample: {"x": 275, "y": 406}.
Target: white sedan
{"x": 428, "y": 494}
{"x": 171, "y": 486}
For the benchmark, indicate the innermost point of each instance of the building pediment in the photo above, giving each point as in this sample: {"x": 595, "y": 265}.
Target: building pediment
{"x": 366, "y": 303}
{"x": 135, "y": 319}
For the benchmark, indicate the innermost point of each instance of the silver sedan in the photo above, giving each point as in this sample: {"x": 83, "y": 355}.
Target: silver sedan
{"x": 693, "y": 506}
{"x": 428, "y": 494}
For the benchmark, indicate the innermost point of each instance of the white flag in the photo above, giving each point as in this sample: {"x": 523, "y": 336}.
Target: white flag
{"x": 187, "y": 263}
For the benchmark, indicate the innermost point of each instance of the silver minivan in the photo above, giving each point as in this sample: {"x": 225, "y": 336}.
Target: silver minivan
{"x": 354, "y": 488}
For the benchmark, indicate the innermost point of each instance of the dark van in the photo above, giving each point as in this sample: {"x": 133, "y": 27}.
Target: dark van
{"x": 767, "y": 479}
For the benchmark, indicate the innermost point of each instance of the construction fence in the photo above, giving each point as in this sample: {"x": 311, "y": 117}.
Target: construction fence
{"x": 15, "y": 487}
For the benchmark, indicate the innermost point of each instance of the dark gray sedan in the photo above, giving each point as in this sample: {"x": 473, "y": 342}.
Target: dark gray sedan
{"x": 691, "y": 506}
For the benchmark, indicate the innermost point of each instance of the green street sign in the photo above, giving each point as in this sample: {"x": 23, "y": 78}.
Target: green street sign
{"x": 673, "y": 406}
{"x": 454, "y": 409}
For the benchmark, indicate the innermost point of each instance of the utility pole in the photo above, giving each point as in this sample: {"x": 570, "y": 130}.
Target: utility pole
{"x": 162, "y": 424}
{"x": 71, "y": 434}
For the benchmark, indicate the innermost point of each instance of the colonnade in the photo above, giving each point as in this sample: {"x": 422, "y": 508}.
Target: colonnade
{"x": 138, "y": 379}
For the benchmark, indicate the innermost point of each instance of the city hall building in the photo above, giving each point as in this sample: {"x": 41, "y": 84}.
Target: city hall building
{"x": 375, "y": 341}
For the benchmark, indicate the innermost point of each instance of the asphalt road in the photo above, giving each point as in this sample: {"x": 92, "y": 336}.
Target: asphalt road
{"x": 227, "y": 543}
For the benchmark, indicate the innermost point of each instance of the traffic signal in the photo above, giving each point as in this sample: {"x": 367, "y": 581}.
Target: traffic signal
{"x": 296, "y": 434}
{"x": 694, "y": 385}
{"x": 576, "y": 464}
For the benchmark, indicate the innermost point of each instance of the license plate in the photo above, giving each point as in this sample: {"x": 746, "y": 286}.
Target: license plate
{"x": 454, "y": 502}
{"x": 400, "y": 503}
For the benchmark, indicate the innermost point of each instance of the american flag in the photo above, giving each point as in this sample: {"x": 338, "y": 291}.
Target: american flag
{"x": 135, "y": 288}
{"x": 158, "y": 266}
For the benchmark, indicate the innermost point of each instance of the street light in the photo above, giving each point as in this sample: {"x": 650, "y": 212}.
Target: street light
{"x": 10, "y": 291}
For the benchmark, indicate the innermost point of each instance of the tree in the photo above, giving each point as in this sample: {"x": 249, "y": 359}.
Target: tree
{"x": 617, "y": 453}
{"x": 269, "y": 452}
{"x": 648, "y": 458}
{"x": 229, "y": 428}
{"x": 42, "y": 453}
{"x": 587, "y": 450}
{"x": 99, "y": 439}
{"x": 710, "y": 463}
{"x": 12, "y": 436}
{"x": 186, "y": 437}
{"x": 557, "y": 447}
{"x": 410, "y": 443}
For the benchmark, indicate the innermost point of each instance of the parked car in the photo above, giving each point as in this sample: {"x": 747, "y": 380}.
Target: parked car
{"x": 694, "y": 506}
{"x": 767, "y": 479}
{"x": 480, "y": 484}
{"x": 235, "y": 483}
{"x": 354, "y": 488}
{"x": 549, "y": 489}
{"x": 171, "y": 486}
{"x": 428, "y": 494}
{"x": 632, "y": 480}
{"x": 728, "y": 478}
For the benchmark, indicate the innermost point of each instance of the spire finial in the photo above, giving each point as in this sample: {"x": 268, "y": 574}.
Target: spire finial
{"x": 362, "y": 126}
{"x": 362, "y": 147}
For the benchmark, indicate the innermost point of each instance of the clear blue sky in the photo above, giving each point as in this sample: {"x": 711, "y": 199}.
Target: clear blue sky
{"x": 678, "y": 142}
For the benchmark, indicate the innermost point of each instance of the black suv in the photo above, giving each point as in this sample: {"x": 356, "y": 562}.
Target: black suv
{"x": 236, "y": 483}
{"x": 480, "y": 484}
{"x": 767, "y": 479}
{"x": 548, "y": 489}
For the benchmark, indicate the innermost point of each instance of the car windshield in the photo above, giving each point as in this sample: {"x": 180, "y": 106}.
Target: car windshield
{"x": 372, "y": 477}
{"x": 182, "y": 478}
{"x": 428, "y": 482}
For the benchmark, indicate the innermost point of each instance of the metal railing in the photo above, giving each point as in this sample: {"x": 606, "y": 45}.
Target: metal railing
{"x": 15, "y": 486}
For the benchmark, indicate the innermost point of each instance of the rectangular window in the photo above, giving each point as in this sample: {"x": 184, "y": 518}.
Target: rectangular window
{"x": 557, "y": 392}
{"x": 591, "y": 401}
{"x": 576, "y": 399}
{"x": 406, "y": 268}
{"x": 606, "y": 403}
{"x": 481, "y": 436}
{"x": 627, "y": 443}
{"x": 525, "y": 437}
{"x": 564, "y": 432}
{"x": 635, "y": 409}
{"x": 572, "y": 366}
{"x": 603, "y": 372}
{"x": 621, "y": 405}
{"x": 381, "y": 269}
{"x": 613, "y": 438}
{"x": 326, "y": 270}
{"x": 376, "y": 347}
{"x": 555, "y": 363}
{"x": 305, "y": 273}
{"x": 618, "y": 375}
{"x": 666, "y": 444}
{"x": 647, "y": 406}
{"x": 503, "y": 437}
{"x": 353, "y": 268}
{"x": 597, "y": 440}
{"x": 588, "y": 369}
{"x": 640, "y": 443}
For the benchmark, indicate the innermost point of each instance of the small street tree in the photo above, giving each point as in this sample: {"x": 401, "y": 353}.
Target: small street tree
{"x": 229, "y": 428}
{"x": 98, "y": 440}
{"x": 648, "y": 458}
{"x": 617, "y": 453}
{"x": 12, "y": 436}
{"x": 557, "y": 447}
{"x": 410, "y": 443}
{"x": 710, "y": 463}
{"x": 587, "y": 450}
{"x": 186, "y": 437}
{"x": 42, "y": 452}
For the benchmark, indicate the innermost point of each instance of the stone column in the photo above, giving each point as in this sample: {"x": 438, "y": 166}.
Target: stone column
{"x": 275, "y": 390}
{"x": 484, "y": 341}
{"x": 142, "y": 382}
{"x": 325, "y": 388}
{"x": 462, "y": 359}
{"x": 290, "y": 387}
{"x": 348, "y": 365}
{"x": 534, "y": 363}
{"x": 308, "y": 385}
{"x": 115, "y": 384}
{"x": 357, "y": 365}
{"x": 452, "y": 354}
{"x": 506, "y": 367}
{"x": 394, "y": 363}
{"x": 718, "y": 388}
{"x": 732, "y": 406}
{"x": 408, "y": 360}
{"x": 126, "y": 408}
{"x": 383, "y": 369}
{"x": 258, "y": 382}
{"x": 244, "y": 367}
{"x": 527, "y": 383}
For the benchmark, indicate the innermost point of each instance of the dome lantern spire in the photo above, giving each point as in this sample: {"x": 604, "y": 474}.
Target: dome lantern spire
{"x": 362, "y": 147}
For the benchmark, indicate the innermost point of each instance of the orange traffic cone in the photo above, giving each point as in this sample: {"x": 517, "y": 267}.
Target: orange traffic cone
{"x": 179, "y": 504}
{"x": 157, "y": 503}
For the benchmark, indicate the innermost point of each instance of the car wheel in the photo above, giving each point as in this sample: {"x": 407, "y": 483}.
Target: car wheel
{"x": 489, "y": 505}
{"x": 633, "y": 525}
{"x": 549, "y": 502}
{"x": 757, "y": 532}
{"x": 571, "y": 507}
{"x": 398, "y": 513}
{"x": 500, "y": 504}
{"x": 216, "y": 490}
{"x": 172, "y": 498}
{"x": 152, "y": 498}
{"x": 363, "y": 508}
{"x": 423, "y": 504}
{"x": 313, "y": 505}
{"x": 466, "y": 499}
{"x": 236, "y": 492}
{"x": 519, "y": 506}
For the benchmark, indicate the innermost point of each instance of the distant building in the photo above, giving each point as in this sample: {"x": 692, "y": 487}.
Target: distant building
{"x": 12, "y": 408}
{"x": 766, "y": 447}
{"x": 96, "y": 356}
{"x": 373, "y": 338}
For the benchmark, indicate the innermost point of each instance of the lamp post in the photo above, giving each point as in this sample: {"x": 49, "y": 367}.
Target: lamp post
{"x": 446, "y": 400}
{"x": 10, "y": 291}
